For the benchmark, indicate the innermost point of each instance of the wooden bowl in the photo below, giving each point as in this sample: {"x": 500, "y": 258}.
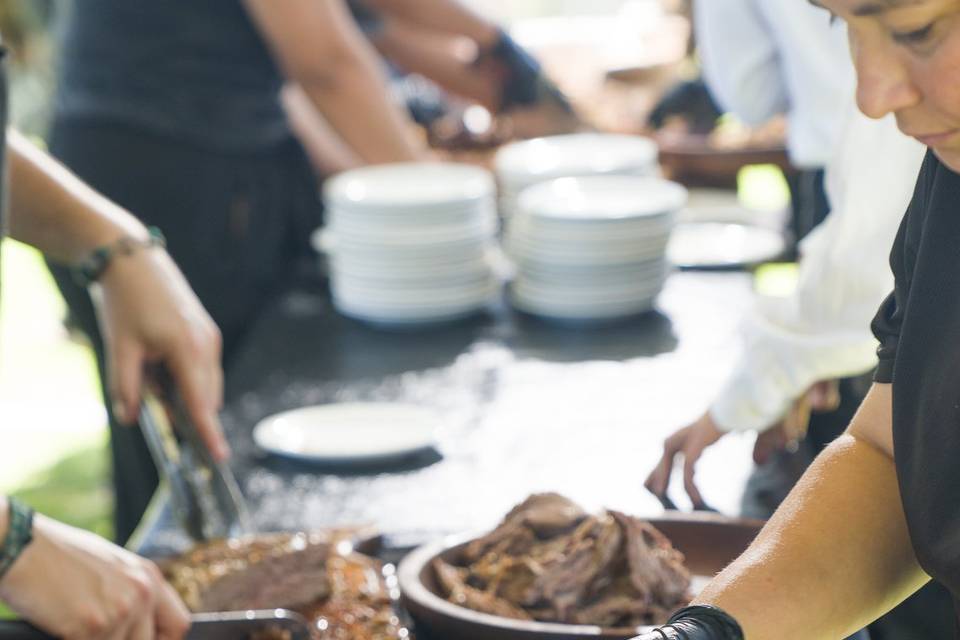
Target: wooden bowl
{"x": 693, "y": 162}
{"x": 708, "y": 541}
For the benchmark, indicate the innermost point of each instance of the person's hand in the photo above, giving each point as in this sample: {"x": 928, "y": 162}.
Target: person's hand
{"x": 690, "y": 441}
{"x": 149, "y": 314}
{"x": 521, "y": 78}
{"x": 77, "y": 586}
{"x": 786, "y": 434}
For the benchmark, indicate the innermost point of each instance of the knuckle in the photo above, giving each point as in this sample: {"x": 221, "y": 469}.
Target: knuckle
{"x": 92, "y": 622}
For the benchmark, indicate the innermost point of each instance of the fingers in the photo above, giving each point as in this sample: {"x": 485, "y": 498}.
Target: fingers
{"x": 824, "y": 396}
{"x": 768, "y": 443}
{"x": 195, "y": 365}
{"x": 125, "y": 379}
{"x": 658, "y": 481}
{"x": 201, "y": 388}
{"x": 690, "y": 456}
{"x": 172, "y": 617}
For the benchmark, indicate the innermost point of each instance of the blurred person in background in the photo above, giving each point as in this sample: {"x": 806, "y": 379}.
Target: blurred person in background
{"x": 764, "y": 58}
{"x": 173, "y": 110}
{"x": 442, "y": 57}
{"x": 148, "y": 315}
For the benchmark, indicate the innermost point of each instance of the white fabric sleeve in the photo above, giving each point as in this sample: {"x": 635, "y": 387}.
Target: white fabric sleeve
{"x": 739, "y": 59}
{"x": 822, "y": 331}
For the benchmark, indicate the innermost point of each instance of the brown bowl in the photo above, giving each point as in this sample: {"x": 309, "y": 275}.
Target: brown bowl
{"x": 691, "y": 160}
{"x": 708, "y": 541}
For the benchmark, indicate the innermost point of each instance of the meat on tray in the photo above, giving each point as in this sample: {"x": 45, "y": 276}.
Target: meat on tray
{"x": 343, "y": 594}
{"x": 551, "y": 561}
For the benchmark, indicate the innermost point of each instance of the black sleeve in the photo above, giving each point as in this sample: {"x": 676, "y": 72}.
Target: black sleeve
{"x": 886, "y": 324}
{"x": 886, "y": 327}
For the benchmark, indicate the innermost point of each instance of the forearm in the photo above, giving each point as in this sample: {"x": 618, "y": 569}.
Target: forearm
{"x": 834, "y": 557}
{"x": 354, "y": 100}
{"x": 446, "y": 16}
{"x": 327, "y": 151}
{"x": 417, "y": 51}
{"x": 54, "y": 211}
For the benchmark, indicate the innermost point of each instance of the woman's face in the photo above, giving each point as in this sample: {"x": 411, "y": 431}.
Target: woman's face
{"x": 907, "y": 57}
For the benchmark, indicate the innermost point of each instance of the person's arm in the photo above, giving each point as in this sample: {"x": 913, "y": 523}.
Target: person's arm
{"x": 148, "y": 312}
{"x": 739, "y": 58}
{"x": 418, "y": 50}
{"x": 445, "y": 16}
{"x": 837, "y": 554}
{"x": 77, "y": 586}
{"x": 822, "y": 331}
{"x": 321, "y": 49}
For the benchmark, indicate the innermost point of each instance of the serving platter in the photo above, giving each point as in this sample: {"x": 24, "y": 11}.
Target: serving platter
{"x": 708, "y": 541}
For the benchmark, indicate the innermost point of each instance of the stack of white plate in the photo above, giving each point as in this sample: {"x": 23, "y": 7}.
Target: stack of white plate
{"x": 594, "y": 248}
{"x": 524, "y": 164}
{"x": 408, "y": 243}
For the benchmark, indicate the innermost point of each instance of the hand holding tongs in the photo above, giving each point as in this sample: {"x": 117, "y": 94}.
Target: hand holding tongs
{"x": 205, "y": 497}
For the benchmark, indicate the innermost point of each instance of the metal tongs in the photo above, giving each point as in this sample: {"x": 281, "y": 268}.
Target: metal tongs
{"x": 204, "y": 494}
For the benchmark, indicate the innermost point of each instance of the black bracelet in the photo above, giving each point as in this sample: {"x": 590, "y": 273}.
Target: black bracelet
{"x": 90, "y": 270}
{"x": 19, "y": 534}
{"x": 716, "y": 623}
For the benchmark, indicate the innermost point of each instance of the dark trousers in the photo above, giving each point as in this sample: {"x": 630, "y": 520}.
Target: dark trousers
{"x": 237, "y": 224}
{"x": 808, "y": 201}
{"x": 928, "y": 614}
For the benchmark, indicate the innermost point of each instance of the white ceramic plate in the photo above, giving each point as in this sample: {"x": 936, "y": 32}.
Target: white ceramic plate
{"x": 717, "y": 245}
{"x": 349, "y": 432}
{"x": 412, "y": 185}
{"x": 602, "y": 198}
{"x": 575, "y": 155}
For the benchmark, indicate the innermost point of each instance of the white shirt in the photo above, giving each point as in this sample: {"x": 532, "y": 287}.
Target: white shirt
{"x": 822, "y": 331}
{"x": 762, "y": 58}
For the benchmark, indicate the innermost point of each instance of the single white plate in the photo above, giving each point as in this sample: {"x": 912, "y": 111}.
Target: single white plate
{"x": 349, "y": 432}
{"x": 575, "y": 154}
{"x": 414, "y": 185}
{"x": 717, "y": 245}
{"x": 602, "y": 198}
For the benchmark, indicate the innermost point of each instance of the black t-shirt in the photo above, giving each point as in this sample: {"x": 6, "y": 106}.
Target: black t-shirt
{"x": 194, "y": 69}
{"x": 918, "y": 327}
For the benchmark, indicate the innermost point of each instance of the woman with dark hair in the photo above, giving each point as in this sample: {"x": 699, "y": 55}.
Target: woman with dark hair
{"x": 876, "y": 516}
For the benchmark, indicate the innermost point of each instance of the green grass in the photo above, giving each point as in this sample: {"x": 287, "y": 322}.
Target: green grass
{"x": 51, "y": 416}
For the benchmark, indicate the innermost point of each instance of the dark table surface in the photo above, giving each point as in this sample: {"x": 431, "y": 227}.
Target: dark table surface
{"x": 527, "y": 406}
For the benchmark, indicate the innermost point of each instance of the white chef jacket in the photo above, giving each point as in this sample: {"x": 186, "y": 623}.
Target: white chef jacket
{"x": 763, "y": 58}
{"x": 822, "y": 331}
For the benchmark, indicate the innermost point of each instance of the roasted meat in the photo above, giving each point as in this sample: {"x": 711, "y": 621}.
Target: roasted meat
{"x": 343, "y": 594}
{"x": 549, "y": 560}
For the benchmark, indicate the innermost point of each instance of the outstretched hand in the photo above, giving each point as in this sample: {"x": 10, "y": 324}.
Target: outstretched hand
{"x": 694, "y": 439}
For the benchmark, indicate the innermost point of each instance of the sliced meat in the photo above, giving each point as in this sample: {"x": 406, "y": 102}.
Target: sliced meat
{"x": 343, "y": 594}
{"x": 257, "y": 573}
{"x": 615, "y": 610}
{"x": 549, "y": 561}
{"x": 656, "y": 568}
{"x": 459, "y": 592}
{"x": 540, "y": 516}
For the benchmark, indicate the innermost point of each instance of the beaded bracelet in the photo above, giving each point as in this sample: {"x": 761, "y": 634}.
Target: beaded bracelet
{"x": 19, "y": 534}
{"x": 90, "y": 270}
